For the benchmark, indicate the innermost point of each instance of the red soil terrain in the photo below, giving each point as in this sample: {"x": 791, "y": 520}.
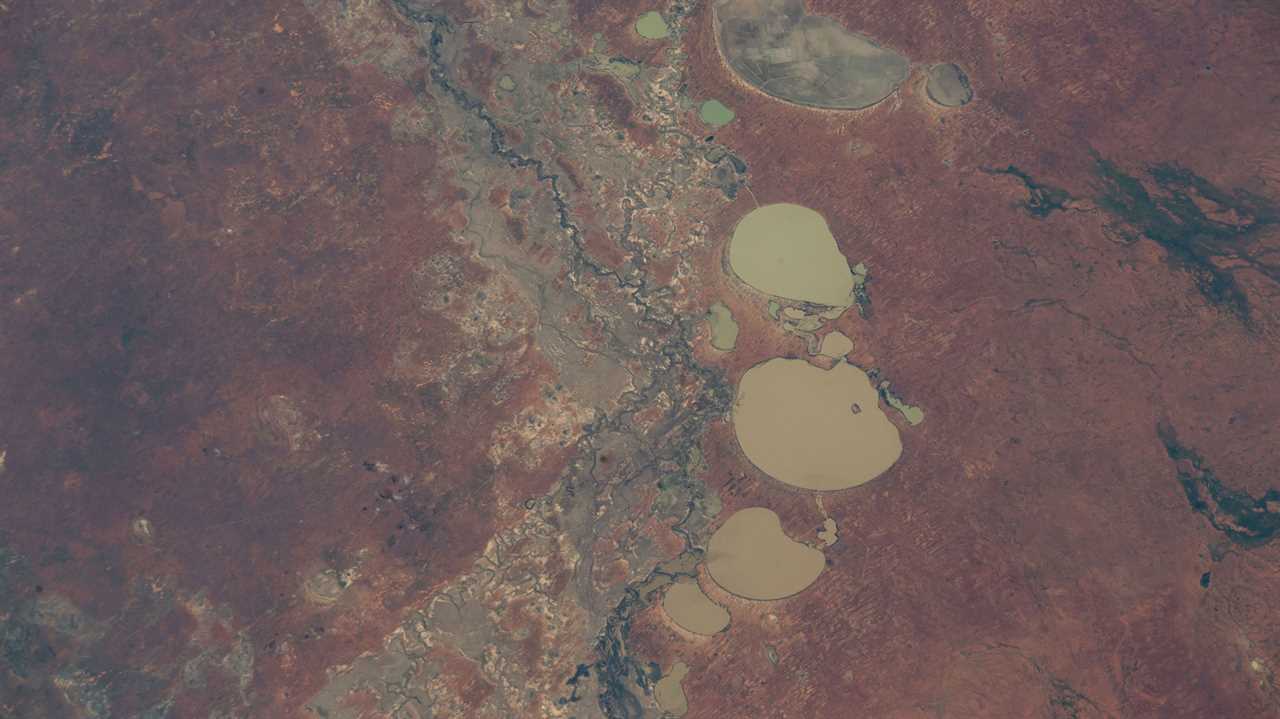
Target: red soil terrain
{"x": 212, "y": 320}
{"x": 244, "y": 432}
{"x": 1033, "y": 553}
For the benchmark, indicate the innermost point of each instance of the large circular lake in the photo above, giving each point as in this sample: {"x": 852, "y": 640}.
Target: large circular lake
{"x": 813, "y": 428}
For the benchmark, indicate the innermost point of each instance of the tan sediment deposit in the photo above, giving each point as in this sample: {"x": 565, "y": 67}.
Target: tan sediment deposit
{"x": 814, "y": 428}
{"x": 669, "y": 693}
{"x": 835, "y": 344}
{"x": 750, "y": 556}
{"x": 689, "y": 607}
{"x": 788, "y": 251}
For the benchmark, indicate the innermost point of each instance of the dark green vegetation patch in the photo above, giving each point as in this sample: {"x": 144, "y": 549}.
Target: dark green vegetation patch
{"x": 1246, "y": 521}
{"x": 1042, "y": 199}
{"x": 1207, "y": 231}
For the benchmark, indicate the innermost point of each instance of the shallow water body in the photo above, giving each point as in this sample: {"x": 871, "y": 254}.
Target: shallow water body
{"x": 750, "y": 556}
{"x": 780, "y": 49}
{"x": 689, "y": 607}
{"x": 948, "y": 85}
{"x": 669, "y": 693}
{"x": 714, "y": 113}
{"x": 813, "y": 428}
{"x": 788, "y": 251}
{"x": 651, "y": 26}
{"x": 724, "y": 330}
{"x": 835, "y": 344}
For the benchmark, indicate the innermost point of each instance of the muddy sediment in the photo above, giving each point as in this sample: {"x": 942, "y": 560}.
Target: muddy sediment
{"x": 750, "y": 556}
{"x": 813, "y": 428}
{"x": 781, "y": 50}
{"x": 835, "y": 344}
{"x": 788, "y": 251}
{"x": 690, "y": 608}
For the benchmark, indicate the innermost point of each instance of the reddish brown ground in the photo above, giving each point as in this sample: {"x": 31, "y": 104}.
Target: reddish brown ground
{"x": 1032, "y": 554}
{"x": 207, "y": 245}
{"x": 206, "y": 251}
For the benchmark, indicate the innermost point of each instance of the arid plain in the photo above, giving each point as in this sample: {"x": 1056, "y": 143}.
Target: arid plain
{"x": 358, "y": 359}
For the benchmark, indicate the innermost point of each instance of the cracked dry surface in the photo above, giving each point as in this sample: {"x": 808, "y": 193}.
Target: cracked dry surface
{"x": 357, "y": 360}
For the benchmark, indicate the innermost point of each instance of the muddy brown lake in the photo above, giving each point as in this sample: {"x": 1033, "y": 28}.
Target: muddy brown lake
{"x": 835, "y": 344}
{"x": 669, "y": 693}
{"x": 750, "y": 556}
{"x": 689, "y": 607}
{"x": 813, "y": 428}
{"x": 788, "y": 251}
{"x": 778, "y": 47}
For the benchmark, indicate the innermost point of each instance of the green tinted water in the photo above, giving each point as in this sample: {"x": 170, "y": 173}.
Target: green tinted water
{"x": 669, "y": 693}
{"x": 651, "y": 26}
{"x": 750, "y": 556}
{"x": 714, "y": 113}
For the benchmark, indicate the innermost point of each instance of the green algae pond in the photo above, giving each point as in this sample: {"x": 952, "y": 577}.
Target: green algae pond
{"x": 669, "y": 692}
{"x": 651, "y": 26}
{"x": 724, "y": 330}
{"x": 714, "y": 113}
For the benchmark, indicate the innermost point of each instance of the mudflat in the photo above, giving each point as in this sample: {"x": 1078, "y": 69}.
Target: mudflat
{"x": 777, "y": 47}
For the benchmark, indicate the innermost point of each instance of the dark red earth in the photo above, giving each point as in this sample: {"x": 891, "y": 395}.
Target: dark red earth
{"x": 208, "y": 239}
{"x": 1034, "y": 552}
